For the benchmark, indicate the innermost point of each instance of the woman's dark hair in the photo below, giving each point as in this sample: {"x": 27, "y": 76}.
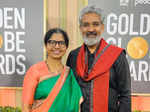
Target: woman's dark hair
{"x": 50, "y": 32}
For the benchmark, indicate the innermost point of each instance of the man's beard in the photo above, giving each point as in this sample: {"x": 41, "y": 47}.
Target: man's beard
{"x": 89, "y": 41}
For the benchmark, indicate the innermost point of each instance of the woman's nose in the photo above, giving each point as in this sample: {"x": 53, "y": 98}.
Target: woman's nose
{"x": 57, "y": 45}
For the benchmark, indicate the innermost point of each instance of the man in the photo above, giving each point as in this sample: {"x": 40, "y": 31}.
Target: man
{"x": 101, "y": 69}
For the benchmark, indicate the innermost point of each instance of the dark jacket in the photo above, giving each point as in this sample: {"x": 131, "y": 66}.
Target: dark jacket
{"x": 119, "y": 83}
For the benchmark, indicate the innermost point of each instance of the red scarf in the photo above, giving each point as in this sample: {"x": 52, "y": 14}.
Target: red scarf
{"x": 99, "y": 73}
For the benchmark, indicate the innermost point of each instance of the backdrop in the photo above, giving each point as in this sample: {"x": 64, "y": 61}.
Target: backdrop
{"x": 21, "y": 39}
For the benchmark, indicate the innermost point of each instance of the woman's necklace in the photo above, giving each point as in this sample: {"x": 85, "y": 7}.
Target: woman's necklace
{"x": 47, "y": 65}
{"x": 58, "y": 71}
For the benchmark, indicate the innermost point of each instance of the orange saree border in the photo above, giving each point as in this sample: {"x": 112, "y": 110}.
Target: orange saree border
{"x": 51, "y": 97}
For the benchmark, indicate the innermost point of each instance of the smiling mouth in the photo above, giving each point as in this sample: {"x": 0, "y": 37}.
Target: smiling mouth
{"x": 56, "y": 52}
{"x": 89, "y": 34}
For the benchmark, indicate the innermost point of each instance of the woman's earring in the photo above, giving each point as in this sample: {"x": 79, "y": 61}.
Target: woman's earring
{"x": 46, "y": 55}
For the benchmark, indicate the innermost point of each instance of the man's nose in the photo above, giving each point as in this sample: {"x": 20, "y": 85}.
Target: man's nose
{"x": 91, "y": 28}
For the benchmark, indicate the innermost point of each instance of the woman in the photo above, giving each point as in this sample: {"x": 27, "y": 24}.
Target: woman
{"x": 49, "y": 86}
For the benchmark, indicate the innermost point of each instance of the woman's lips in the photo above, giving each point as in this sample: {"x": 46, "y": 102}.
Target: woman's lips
{"x": 56, "y": 52}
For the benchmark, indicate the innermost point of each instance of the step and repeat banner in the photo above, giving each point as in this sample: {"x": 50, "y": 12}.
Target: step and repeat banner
{"x": 127, "y": 25}
{"x": 21, "y": 39}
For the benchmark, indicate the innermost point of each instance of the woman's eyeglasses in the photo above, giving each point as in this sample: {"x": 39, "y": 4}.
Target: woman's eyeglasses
{"x": 53, "y": 43}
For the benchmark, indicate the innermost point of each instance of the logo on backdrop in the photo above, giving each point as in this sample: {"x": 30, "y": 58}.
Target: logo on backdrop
{"x": 12, "y": 40}
{"x": 137, "y": 45}
{"x": 140, "y": 2}
{"x": 124, "y": 2}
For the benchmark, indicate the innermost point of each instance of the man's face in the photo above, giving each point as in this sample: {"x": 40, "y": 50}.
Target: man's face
{"x": 91, "y": 28}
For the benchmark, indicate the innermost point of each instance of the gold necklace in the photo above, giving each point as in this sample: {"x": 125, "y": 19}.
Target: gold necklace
{"x": 59, "y": 71}
{"x": 47, "y": 65}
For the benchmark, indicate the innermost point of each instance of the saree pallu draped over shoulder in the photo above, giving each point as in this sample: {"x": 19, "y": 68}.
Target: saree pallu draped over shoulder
{"x": 61, "y": 93}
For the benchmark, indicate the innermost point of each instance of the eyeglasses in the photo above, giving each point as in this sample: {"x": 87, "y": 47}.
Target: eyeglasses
{"x": 53, "y": 43}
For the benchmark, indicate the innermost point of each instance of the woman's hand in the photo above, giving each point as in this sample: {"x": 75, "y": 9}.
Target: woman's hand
{"x": 37, "y": 103}
{"x": 26, "y": 108}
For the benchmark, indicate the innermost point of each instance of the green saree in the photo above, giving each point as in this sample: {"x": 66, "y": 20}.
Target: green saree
{"x": 69, "y": 97}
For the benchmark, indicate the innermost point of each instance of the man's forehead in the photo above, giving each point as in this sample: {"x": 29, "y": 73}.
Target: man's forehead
{"x": 93, "y": 17}
{"x": 91, "y": 14}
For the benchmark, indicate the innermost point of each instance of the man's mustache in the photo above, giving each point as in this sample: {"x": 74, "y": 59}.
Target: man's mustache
{"x": 91, "y": 33}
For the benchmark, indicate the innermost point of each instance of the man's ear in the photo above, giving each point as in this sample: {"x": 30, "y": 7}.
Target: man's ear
{"x": 102, "y": 28}
{"x": 80, "y": 27}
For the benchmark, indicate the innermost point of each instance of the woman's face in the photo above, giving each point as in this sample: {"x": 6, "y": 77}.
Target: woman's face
{"x": 56, "y": 47}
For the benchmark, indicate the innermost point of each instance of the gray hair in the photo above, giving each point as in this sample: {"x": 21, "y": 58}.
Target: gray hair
{"x": 91, "y": 9}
